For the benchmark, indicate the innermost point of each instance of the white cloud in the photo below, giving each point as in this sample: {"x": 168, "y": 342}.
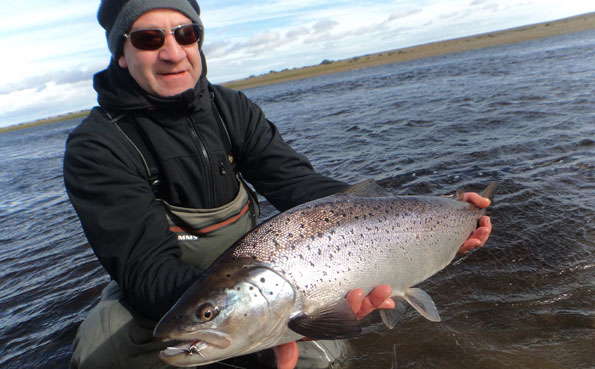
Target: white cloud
{"x": 53, "y": 99}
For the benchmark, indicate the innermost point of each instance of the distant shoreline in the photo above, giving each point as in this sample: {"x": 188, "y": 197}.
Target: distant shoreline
{"x": 509, "y": 36}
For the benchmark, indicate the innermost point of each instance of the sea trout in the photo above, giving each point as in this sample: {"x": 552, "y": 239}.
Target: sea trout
{"x": 288, "y": 278}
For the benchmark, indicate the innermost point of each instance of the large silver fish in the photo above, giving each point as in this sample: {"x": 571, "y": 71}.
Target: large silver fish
{"x": 288, "y": 277}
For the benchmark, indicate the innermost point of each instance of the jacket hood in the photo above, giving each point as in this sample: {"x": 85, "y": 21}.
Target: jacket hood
{"x": 118, "y": 91}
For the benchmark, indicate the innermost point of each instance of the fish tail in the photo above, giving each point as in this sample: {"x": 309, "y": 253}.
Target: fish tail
{"x": 490, "y": 190}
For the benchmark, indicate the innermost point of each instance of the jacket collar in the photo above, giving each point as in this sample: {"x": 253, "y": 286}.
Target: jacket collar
{"x": 118, "y": 91}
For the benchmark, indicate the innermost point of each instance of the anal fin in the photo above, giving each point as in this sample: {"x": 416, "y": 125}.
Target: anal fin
{"x": 390, "y": 317}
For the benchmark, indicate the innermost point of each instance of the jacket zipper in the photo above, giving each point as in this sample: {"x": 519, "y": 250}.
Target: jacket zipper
{"x": 203, "y": 149}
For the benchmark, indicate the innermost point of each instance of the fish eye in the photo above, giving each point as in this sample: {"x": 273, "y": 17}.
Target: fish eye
{"x": 207, "y": 312}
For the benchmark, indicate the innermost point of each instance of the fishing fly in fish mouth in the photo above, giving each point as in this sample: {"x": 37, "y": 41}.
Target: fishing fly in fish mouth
{"x": 287, "y": 279}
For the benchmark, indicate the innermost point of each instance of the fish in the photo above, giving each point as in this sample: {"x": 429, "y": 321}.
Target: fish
{"x": 287, "y": 278}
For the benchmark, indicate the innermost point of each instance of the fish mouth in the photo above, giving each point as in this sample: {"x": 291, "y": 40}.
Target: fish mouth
{"x": 211, "y": 340}
{"x": 185, "y": 348}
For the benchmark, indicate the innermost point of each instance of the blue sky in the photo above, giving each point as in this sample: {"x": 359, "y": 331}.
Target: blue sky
{"x": 52, "y": 48}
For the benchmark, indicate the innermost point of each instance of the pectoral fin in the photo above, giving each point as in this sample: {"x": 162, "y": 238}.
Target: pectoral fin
{"x": 422, "y": 302}
{"x": 337, "y": 321}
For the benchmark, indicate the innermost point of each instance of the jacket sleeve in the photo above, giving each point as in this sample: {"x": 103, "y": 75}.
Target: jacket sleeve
{"x": 285, "y": 177}
{"x": 123, "y": 222}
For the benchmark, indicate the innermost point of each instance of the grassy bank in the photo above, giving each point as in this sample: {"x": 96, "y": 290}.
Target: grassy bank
{"x": 497, "y": 38}
{"x": 41, "y": 122}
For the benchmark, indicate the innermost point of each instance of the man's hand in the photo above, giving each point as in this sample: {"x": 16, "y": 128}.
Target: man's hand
{"x": 287, "y": 354}
{"x": 479, "y": 237}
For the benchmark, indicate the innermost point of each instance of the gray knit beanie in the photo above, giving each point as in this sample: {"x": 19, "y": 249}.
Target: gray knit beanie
{"x": 117, "y": 16}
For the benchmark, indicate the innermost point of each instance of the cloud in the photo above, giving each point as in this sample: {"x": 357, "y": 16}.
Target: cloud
{"x": 297, "y": 32}
{"x": 29, "y": 104}
{"x": 403, "y": 13}
{"x": 324, "y": 26}
{"x": 59, "y": 77}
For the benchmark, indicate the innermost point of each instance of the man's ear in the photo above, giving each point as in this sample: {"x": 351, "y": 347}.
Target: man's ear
{"x": 122, "y": 62}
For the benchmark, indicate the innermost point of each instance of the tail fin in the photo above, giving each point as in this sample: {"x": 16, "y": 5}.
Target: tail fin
{"x": 490, "y": 190}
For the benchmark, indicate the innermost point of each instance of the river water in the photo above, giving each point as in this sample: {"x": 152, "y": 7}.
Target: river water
{"x": 521, "y": 114}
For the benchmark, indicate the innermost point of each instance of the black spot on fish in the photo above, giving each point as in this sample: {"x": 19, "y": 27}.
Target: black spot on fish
{"x": 262, "y": 280}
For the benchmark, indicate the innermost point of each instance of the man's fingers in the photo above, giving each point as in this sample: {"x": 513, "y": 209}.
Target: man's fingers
{"x": 476, "y": 199}
{"x": 379, "y": 295}
{"x": 379, "y": 298}
{"x": 286, "y": 355}
{"x": 479, "y": 237}
{"x": 355, "y": 298}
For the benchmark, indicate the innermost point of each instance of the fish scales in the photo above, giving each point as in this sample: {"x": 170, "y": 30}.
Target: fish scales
{"x": 332, "y": 242}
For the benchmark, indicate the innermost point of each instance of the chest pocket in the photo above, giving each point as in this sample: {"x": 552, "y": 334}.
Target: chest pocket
{"x": 203, "y": 234}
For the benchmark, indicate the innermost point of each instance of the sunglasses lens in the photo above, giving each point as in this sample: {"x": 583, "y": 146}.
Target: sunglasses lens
{"x": 153, "y": 39}
{"x": 148, "y": 39}
{"x": 187, "y": 34}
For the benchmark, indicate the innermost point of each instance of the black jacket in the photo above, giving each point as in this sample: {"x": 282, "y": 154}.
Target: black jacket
{"x": 110, "y": 189}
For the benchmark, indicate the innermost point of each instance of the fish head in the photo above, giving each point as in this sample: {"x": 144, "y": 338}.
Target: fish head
{"x": 235, "y": 309}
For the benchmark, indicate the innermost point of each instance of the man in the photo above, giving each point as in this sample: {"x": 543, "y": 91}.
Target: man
{"x": 156, "y": 174}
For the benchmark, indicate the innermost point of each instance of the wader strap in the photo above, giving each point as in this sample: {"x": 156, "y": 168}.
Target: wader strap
{"x": 134, "y": 136}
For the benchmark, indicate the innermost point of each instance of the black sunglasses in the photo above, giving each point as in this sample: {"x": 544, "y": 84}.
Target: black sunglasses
{"x": 154, "y": 38}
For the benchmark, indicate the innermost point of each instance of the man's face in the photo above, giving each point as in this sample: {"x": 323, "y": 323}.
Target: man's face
{"x": 169, "y": 70}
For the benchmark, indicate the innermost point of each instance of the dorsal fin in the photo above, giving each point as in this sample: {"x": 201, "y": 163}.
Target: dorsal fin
{"x": 367, "y": 188}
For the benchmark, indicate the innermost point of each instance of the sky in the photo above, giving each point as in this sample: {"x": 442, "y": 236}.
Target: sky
{"x": 52, "y": 48}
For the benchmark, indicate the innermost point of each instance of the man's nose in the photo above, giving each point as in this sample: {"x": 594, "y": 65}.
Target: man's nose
{"x": 171, "y": 50}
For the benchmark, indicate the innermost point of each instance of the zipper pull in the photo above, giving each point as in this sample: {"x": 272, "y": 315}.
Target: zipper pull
{"x": 222, "y": 168}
